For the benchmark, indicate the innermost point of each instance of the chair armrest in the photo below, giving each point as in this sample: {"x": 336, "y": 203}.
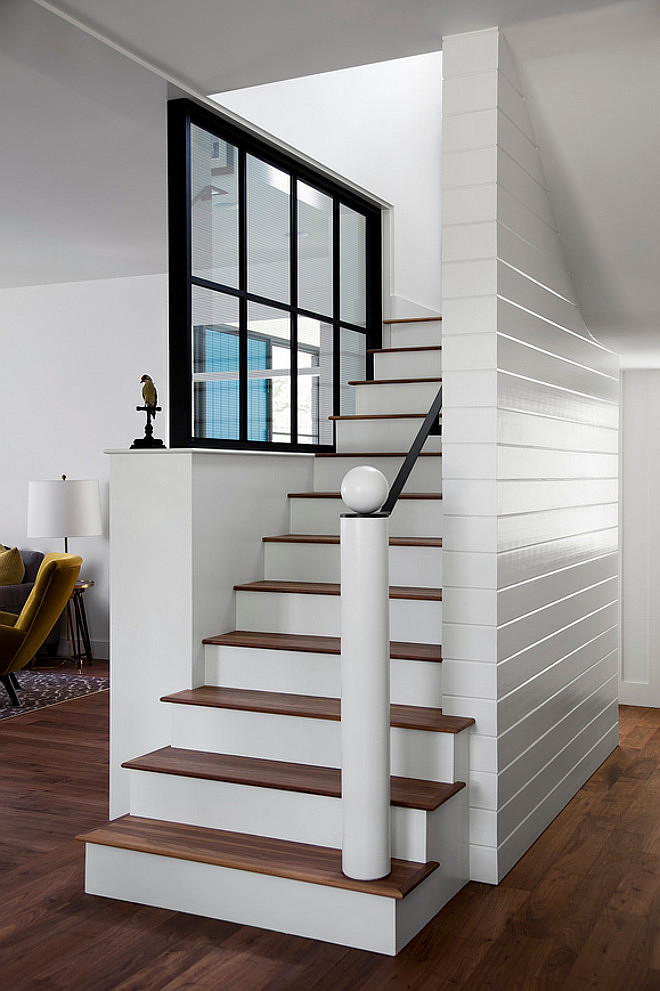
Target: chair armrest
{"x": 8, "y": 618}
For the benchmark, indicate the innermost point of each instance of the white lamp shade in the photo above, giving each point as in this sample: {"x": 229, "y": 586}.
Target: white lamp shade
{"x": 68, "y": 508}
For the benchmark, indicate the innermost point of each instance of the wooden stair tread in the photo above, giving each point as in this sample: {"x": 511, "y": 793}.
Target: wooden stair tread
{"x": 375, "y": 454}
{"x": 337, "y": 495}
{"x": 399, "y": 649}
{"x": 392, "y": 320}
{"x": 425, "y": 347}
{"x": 334, "y": 588}
{"x": 333, "y": 538}
{"x": 392, "y": 381}
{"x": 312, "y": 707}
{"x": 407, "y": 793}
{"x": 380, "y": 416}
{"x": 259, "y": 854}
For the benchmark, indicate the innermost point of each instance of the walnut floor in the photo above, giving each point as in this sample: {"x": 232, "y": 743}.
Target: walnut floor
{"x": 580, "y": 910}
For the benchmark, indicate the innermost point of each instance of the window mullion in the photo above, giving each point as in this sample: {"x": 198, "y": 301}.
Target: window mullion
{"x": 293, "y": 255}
{"x": 336, "y": 337}
{"x": 243, "y": 306}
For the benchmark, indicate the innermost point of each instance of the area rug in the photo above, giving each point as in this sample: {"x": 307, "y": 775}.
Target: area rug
{"x": 41, "y": 688}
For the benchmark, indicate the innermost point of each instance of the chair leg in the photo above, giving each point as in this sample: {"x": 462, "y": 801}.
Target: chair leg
{"x": 6, "y": 681}
{"x": 14, "y": 680}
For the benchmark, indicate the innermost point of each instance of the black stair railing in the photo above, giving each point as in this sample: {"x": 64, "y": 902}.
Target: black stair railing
{"x": 431, "y": 425}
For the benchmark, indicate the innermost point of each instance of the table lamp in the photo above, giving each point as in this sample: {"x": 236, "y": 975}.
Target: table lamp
{"x": 64, "y": 508}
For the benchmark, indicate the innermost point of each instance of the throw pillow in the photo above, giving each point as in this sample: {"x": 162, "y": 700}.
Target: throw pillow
{"x": 12, "y": 568}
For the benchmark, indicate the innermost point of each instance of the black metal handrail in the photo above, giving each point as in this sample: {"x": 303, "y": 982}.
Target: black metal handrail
{"x": 431, "y": 421}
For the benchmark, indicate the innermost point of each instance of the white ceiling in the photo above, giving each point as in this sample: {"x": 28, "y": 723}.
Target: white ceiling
{"x": 591, "y": 70}
{"x": 74, "y": 125}
{"x": 592, "y": 81}
{"x": 218, "y": 45}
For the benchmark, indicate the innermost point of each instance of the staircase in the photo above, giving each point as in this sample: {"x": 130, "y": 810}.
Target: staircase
{"x": 240, "y": 817}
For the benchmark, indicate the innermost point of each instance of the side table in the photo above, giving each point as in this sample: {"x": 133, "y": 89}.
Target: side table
{"x": 76, "y": 622}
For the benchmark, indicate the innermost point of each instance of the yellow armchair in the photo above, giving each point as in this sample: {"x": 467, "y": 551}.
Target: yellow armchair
{"x": 22, "y": 635}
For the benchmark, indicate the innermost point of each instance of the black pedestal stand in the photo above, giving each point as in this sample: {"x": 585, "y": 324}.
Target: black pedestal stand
{"x": 148, "y": 441}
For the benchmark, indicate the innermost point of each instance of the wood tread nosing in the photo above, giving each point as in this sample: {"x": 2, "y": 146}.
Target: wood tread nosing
{"x": 337, "y": 495}
{"x": 333, "y": 538}
{"x": 381, "y": 416}
{"x": 425, "y": 347}
{"x": 258, "y": 854}
{"x": 407, "y": 793}
{"x": 392, "y": 320}
{"x": 313, "y": 707}
{"x": 375, "y": 454}
{"x": 393, "y": 381}
{"x": 399, "y": 649}
{"x": 334, "y": 588}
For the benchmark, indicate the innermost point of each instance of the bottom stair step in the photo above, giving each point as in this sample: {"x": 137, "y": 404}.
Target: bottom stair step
{"x": 289, "y": 887}
{"x": 257, "y": 854}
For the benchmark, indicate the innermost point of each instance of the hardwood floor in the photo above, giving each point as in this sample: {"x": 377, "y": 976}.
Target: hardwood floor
{"x": 580, "y": 910}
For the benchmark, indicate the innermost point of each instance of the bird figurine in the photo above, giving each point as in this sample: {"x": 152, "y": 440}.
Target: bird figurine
{"x": 149, "y": 394}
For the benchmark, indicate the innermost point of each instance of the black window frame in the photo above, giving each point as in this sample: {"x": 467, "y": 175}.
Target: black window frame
{"x": 181, "y": 114}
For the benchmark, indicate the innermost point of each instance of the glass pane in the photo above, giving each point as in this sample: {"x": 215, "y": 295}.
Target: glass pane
{"x": 215, "y": 343}
{"x": 352, "y": 365}
{"x": 269, "y": 374}
{"x": 268, "y": 231}
{"x": 214, "y": 208}
{"x": 314, "y": 381}
{"x": 314, "y": 250}
{"x": 353, "y": 266}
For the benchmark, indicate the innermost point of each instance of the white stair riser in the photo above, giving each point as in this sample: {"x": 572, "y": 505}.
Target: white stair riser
{"x": 414, "y": 753}
{"x": 306, "y": 673}
{"x": 416, "y": 620}
{"x": 335, "y": 915}
{"x": 426, "y": 475}
{"x": 410, "y": 517}
{"x": 402, "y": 397}
{"x": 285, "y": 815}
{"x": 416, "y": 335}
{"x": 408, "y": 364}
{"x": 321, "y": 563}
{"x": 381, "y": 435}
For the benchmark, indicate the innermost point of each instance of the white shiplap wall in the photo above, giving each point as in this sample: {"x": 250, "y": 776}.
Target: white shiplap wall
{"x": 530, "y": 435}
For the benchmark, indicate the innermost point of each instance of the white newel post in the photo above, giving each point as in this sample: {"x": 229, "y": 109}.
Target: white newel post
{"x": 365, "y": 677}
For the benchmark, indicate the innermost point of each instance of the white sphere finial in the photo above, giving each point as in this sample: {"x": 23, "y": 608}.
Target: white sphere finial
{"x": 364, "y": 489}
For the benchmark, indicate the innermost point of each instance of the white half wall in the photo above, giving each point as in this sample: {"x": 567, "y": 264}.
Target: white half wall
{"x": 186, "y": 527}
{"x": 530, "y": 439}
{"x": 379, "y": 127}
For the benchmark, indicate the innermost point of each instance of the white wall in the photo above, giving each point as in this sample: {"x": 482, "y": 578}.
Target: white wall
{"x": 640, "y": 532}
{"x": 529, "y": 474}
{"x": 379, "y": 126}
{"x": 83, "y": 248}
{"x": 72, "y": 357}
